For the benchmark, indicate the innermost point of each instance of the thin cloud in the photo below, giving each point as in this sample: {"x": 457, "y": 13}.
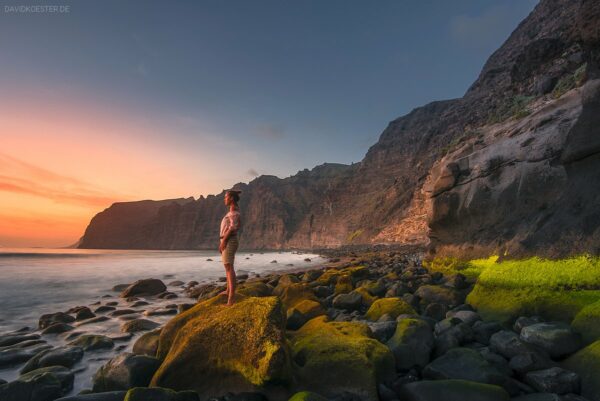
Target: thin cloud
{"x": 270, "y": 131}
{"x": 25, "y": 178}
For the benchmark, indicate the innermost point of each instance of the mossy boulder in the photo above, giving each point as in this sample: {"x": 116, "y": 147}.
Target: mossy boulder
{"x": 331, "y": 358}
{"x": 440, "y": 294}
{"x": 295, "y": 293}
{"x": 255, "y": 289}
{"x": 553, "y": 289}
{"x": 586, "y": 363}
{"x": 159, "y": 394}
{"x": 147, "y": 343}
{"x": 328, "y": 277}
{"x": 213, "y": 348}
{"x": 375, "y": 288}
{"x": 302, "y": 312}
{"x": 452, "y": 390}
{"x": 390, "y": 306}
{"x": 587, "y": 323}
{"x": 343, "y": 285}
{"x": 411, "y": 344}
{"x": 307, "y": 396}
{"x": 367, "y": 298}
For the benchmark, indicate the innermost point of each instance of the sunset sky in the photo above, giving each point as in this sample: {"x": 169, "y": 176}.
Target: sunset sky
{"x": 117, "y": 101}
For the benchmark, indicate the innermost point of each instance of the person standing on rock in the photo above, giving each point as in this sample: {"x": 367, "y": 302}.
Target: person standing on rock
{"x": 230, "y": 226}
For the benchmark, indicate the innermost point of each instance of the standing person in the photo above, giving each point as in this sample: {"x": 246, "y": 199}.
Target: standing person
{"x": 230, "y": 225}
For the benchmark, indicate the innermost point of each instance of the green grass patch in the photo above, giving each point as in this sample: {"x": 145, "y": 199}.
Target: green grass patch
{"x": 570, "y": 81}
{"x": 470, "y": 269}
{"x": 554, "y": 289}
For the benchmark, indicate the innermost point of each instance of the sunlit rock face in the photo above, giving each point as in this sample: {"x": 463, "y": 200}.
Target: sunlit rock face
{"x": 513, "y": 167}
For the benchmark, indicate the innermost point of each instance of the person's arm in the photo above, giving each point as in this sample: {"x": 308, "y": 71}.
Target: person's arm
{"x": 232, "y": 229}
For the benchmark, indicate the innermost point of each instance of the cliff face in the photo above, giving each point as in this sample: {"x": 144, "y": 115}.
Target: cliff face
{"x": 512, "y": 166}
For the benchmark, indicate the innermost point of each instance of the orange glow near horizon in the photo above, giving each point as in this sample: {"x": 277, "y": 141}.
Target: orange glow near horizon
{"x": 64, "y": 162}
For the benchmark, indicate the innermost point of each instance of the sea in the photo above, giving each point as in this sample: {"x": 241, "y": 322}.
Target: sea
{"x": 35, "y": 281}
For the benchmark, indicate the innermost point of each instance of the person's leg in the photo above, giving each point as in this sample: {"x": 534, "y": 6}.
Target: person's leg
{"x": 231, "y": 278}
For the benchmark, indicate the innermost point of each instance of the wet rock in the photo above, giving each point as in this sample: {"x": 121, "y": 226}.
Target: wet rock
{"x": 93, "y": 320}
{"x": 42, "y": 385}
{"x": 167, "y": 295}
{"x": 16, "y": 356}
{"x": 120, "y": 287}
{"x": 57, "y": 328}
{"x": 122, "y": 312}
{"x": 558, "y": 339}
{"x": 60, "y": 356}
{"x": 160, "y": 312}
{"x": 411, "y": 344}
{"x": 458, "y": 281}
{"x": 204, "y": 291}
{"x": 12, "y": 339}
{"x": 183, "y": 307}
{"x": 84, "y": 313}
{"x": 115, "y": 303}
{"x": 124, "y": 372}
{"x": 176, "y": 283}
{"x": 138, "y": 325}
{"x": 150, "y": 286}
{"x": 496, "y": 360}
{"x": 540, "y": 397}
{"x": 137, "y": 304}
{"x": 104, "y": 309}
{"x": 553, "y": 380}
{"x": 51, "y": 318}
{"x": 147, "y": 344}
{"x": 452, "y": 390}
{"x": 91, "y": 342}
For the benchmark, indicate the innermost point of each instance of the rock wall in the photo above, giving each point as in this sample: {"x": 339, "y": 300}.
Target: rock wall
{"x": 510, "y": 167}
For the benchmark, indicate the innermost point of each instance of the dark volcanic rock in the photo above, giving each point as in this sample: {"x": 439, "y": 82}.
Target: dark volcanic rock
{"x": 149, "y": 286}
{"x": 124, "y": 372}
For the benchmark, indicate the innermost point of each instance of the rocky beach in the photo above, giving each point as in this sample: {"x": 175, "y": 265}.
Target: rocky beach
{"x": 367, "y": 325}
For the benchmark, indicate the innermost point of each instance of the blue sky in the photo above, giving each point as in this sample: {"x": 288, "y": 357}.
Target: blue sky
{"x": 156, "y": 99}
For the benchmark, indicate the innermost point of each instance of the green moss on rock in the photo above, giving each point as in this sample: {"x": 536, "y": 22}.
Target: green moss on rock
{"x": 586, "y": 363}
{"x": 231, "y": 348}
{"x": 391, "y": 306}
{"x": 307, "y": 396}
{"x": 587, "y": 322}
{"x": 343, "y": 285}
{"x": 335, "y": 357}
{"x": 255, "y": 289}
{"x": 159, "y": 394}
{"x": 367, "y": 298}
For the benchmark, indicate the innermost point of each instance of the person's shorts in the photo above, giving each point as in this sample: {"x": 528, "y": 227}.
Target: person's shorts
{"x": 228, "y": 254}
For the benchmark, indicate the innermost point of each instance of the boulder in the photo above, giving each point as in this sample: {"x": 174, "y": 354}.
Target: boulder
{"x": 558, "y": 339}
{"x": 12, "y": 339}
{"x": 61, "y": 356}
{"x": 333, "y": 358}
{"x": 452, "y": 390}
{"x": 90, "y": 342}
{"x": 553, "y": 380}
{"x": 125, "y": 371}
{"x": 56, "y": 328}
{"x": 136, "y": 325}
{"x": 15, "y": 356}
{"x": 51, "y": 318}
{"x": 84, "y": 313}
{"x": 439, "y": 294}
{"x": 530, "y": 361}
{"x": 255, "y": 289}
{"x": 39, "y": 385}
{"x": 232, "y": 348}
{"x": 464, "y": 364}
{"x": 383, "y": 331}
{"x": 350, "y": 301}
{"x": 586, "y": 363}
{"x": 302, "y": 312}
{"x": 508, "y": 344}
{"x": 483, "y": 331}
{"x": 147, "y": 344}
{"x": 411, "y": 344}
{"x": 149, "y": 286}
{"x": 63, "y": 374}
{"x": 391, "y": 306}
